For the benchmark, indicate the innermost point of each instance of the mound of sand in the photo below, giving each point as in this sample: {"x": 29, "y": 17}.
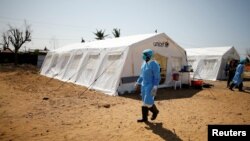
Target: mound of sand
{"x": 34, "y": 107}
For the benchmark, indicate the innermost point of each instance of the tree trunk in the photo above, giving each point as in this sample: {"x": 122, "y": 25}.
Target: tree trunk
{"x": 16, "y": 57}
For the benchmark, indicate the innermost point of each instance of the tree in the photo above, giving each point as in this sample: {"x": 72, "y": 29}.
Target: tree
{"x": 17, "y": 38}
{"x": 6, "y": 41}
{"x": 116, "y": 32}
{"x": 100, "y": 34}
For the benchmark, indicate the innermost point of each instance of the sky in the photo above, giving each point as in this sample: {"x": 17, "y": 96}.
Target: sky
{"x": 190, "y": 23}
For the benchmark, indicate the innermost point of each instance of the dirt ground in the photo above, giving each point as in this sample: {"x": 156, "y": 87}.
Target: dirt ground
{"x": 34, "y": 107}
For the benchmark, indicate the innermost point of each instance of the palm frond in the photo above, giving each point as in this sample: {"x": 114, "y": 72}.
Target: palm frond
{"x": 116, "y": 32}
{"x": 100, "y": 34}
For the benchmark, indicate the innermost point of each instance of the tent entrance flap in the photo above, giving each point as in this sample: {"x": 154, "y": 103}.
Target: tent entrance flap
{"x": 162, "y": 60}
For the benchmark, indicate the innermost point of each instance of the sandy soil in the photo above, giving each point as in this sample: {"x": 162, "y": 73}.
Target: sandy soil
{"x": 34, "y": 107}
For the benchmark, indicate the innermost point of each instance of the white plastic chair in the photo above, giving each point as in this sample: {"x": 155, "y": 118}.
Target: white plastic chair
{"x": 177, "y": 80}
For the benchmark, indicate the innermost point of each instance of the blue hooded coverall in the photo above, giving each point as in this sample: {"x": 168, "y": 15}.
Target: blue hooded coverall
{"x": 149, "y": 77}
{"x": 239, "y": 70}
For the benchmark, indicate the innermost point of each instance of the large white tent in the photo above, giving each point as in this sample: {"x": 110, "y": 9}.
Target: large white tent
{"x": 113, "y": 65}
{"x": 209, "y": 63}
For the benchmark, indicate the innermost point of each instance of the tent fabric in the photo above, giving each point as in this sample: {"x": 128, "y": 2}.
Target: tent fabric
{"x": 209, "y": 63}
{"x": 112, "y": 65}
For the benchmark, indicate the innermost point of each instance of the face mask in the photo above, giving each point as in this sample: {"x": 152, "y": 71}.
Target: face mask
{"x": 145, "y": 57}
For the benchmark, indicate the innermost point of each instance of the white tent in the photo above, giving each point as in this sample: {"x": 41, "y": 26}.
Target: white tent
{"x": 209, "y": 63}
{"x": 113, "y": 65}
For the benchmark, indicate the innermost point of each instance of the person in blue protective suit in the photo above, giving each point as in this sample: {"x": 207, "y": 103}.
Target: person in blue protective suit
{"x": 230, "y": 71}
{"x": 238, "y": 77}
{"x": 149, "y": 80}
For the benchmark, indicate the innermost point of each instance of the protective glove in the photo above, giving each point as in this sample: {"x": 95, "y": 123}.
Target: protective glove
{"x": 154, "y": 91}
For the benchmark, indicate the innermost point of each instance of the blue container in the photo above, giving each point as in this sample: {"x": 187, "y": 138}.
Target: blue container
{"x": 187, "y": 68}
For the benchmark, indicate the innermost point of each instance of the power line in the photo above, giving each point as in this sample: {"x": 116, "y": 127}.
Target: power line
{"x": 38, "y": 38}
{"x": 43, "y": 23}
{"x": 4, "y": 19}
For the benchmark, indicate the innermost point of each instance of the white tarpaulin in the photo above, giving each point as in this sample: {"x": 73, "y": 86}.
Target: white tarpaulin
{"x": 113, "y": 65}
{"x": 209, "y": 63}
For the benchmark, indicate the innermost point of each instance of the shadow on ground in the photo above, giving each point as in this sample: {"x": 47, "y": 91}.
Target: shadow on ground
{"x": 167, "y": 94}
{"x": 23, "y": 67}
{"x": 246, "y": 90}
{"x": 164, "y": 133}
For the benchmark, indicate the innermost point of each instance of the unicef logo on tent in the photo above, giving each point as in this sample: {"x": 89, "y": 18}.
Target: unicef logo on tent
{"x": 160, "y": 44}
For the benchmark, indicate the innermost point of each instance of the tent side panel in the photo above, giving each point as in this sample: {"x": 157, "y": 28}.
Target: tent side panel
{"x": 110, "y": 71}
{"x": 89, "y": 67}
{"x": 62, "y": 64}
{"x": 51, "y": 71}
{"x": 72, "y": 68}
{"x": 46, "y": 63}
